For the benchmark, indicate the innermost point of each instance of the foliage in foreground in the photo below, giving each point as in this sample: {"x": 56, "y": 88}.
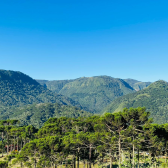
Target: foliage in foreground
{"x": 126, "y": 138}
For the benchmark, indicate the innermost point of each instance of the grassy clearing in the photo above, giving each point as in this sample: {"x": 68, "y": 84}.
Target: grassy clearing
{"x": 105, "y": 164}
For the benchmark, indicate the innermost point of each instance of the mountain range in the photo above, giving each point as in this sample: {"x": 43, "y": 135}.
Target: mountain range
{"x": 94, "y": 93}
{"x": 34, "y": 101}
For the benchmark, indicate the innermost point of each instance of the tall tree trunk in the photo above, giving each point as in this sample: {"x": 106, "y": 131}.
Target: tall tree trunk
{"x": 78, "y": 159}
{"x": 14, "y": 143}
{"x": 138, "y": 157}
{"x": 24, "y": 142}
{"x": 130, "y": 158}
{"x": 7, "y": 144}
{"x": 119, "y": 149}
{"x": 90, "y": 155}
{"x": 150, "y": 159}
{"x": 155, "y": 161}
{"x": 111, "y": 160}
{"x": 2, "y": 142}
{"x": 11, "y": 147}
{"x": 17, "y": 144}
{"x": 145, "y": 158}
{"x": 66, "y": 164}
{"x": 84, "y": 164}
{"x": 74, "y": 162}
{"x": 166, "y": 156}
{"x": 20, "y": 144}
{"x": 133, "y": 154}
{"x": 35, "y": 163}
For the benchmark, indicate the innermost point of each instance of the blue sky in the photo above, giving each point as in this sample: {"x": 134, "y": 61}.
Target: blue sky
{"x": 54, "y": 40}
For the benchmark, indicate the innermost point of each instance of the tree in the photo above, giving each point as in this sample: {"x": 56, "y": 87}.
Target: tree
{"x": 116, "y": 124}
{"x": 135, "y": 118}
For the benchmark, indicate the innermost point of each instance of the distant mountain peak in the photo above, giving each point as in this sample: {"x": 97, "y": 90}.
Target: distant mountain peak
{"x": 157, "y": 84}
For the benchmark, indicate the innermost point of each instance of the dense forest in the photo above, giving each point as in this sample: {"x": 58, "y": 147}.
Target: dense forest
{"x": 123, "y": 139}
{"x": 94, "y": 93}
{"x": 154, "y": 98}
{"x": 37, "y": 114}
{"x": 18, "y": 89}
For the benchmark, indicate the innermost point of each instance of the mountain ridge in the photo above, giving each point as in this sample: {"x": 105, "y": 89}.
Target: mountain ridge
{"x": 93, "y": 93}
{"x": 17, "y": 88}
{"x": 154, "y": 98}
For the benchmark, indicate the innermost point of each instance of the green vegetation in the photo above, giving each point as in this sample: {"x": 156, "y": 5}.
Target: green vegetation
{"x": 137, "y": 85}
{"x": 154, "y": 98}
{"x": 37, "y": 114}
{"x": 55, "y": 85}
{"x": 93, "y": 93}
{"x": 19, "y": 89}
{"x": 125, "y": 139}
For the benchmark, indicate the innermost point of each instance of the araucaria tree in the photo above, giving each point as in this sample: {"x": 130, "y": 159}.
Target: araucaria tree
{"x": 122, "y": 138}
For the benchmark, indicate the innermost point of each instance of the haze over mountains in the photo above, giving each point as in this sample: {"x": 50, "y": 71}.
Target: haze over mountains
{"x": 34, "y": 101}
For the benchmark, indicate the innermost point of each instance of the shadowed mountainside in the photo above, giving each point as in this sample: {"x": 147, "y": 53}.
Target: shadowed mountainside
{"x": 137, "y": 85}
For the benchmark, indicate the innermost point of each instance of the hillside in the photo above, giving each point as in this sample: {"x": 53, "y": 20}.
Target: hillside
{"x": 55, "y": 85}
{"x": 154, "y": 98}
{"x": 37, "y": 114}
{"x": 95, "y": 93}
{"x": 137, "y": 85}
{"x": 19, "y": 89}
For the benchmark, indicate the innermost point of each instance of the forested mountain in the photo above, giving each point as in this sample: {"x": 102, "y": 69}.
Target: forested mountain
{"x": 154, "y": 98}
{"x": 19, "y": 89}
{"x": 37, "y": 114}
{"x": 55, "y": 85}
{"x": 137, "y": 85}
{"x": 94, "y": 93}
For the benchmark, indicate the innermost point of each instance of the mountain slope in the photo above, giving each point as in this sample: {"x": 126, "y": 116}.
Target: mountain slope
{"x": 137, "y": 85}
{"x": 95, "y": 93}
{"x": 55, "y": 85}
{"x": 154, "y": 98}
{"x": 37, "y": 114}
{"x": 19, "y": 89}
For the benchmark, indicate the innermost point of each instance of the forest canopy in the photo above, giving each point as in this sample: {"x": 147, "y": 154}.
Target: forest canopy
{"x": 126, "y": 139}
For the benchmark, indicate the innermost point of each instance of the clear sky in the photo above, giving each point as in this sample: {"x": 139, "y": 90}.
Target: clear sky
{"x": 67, "y": 39}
